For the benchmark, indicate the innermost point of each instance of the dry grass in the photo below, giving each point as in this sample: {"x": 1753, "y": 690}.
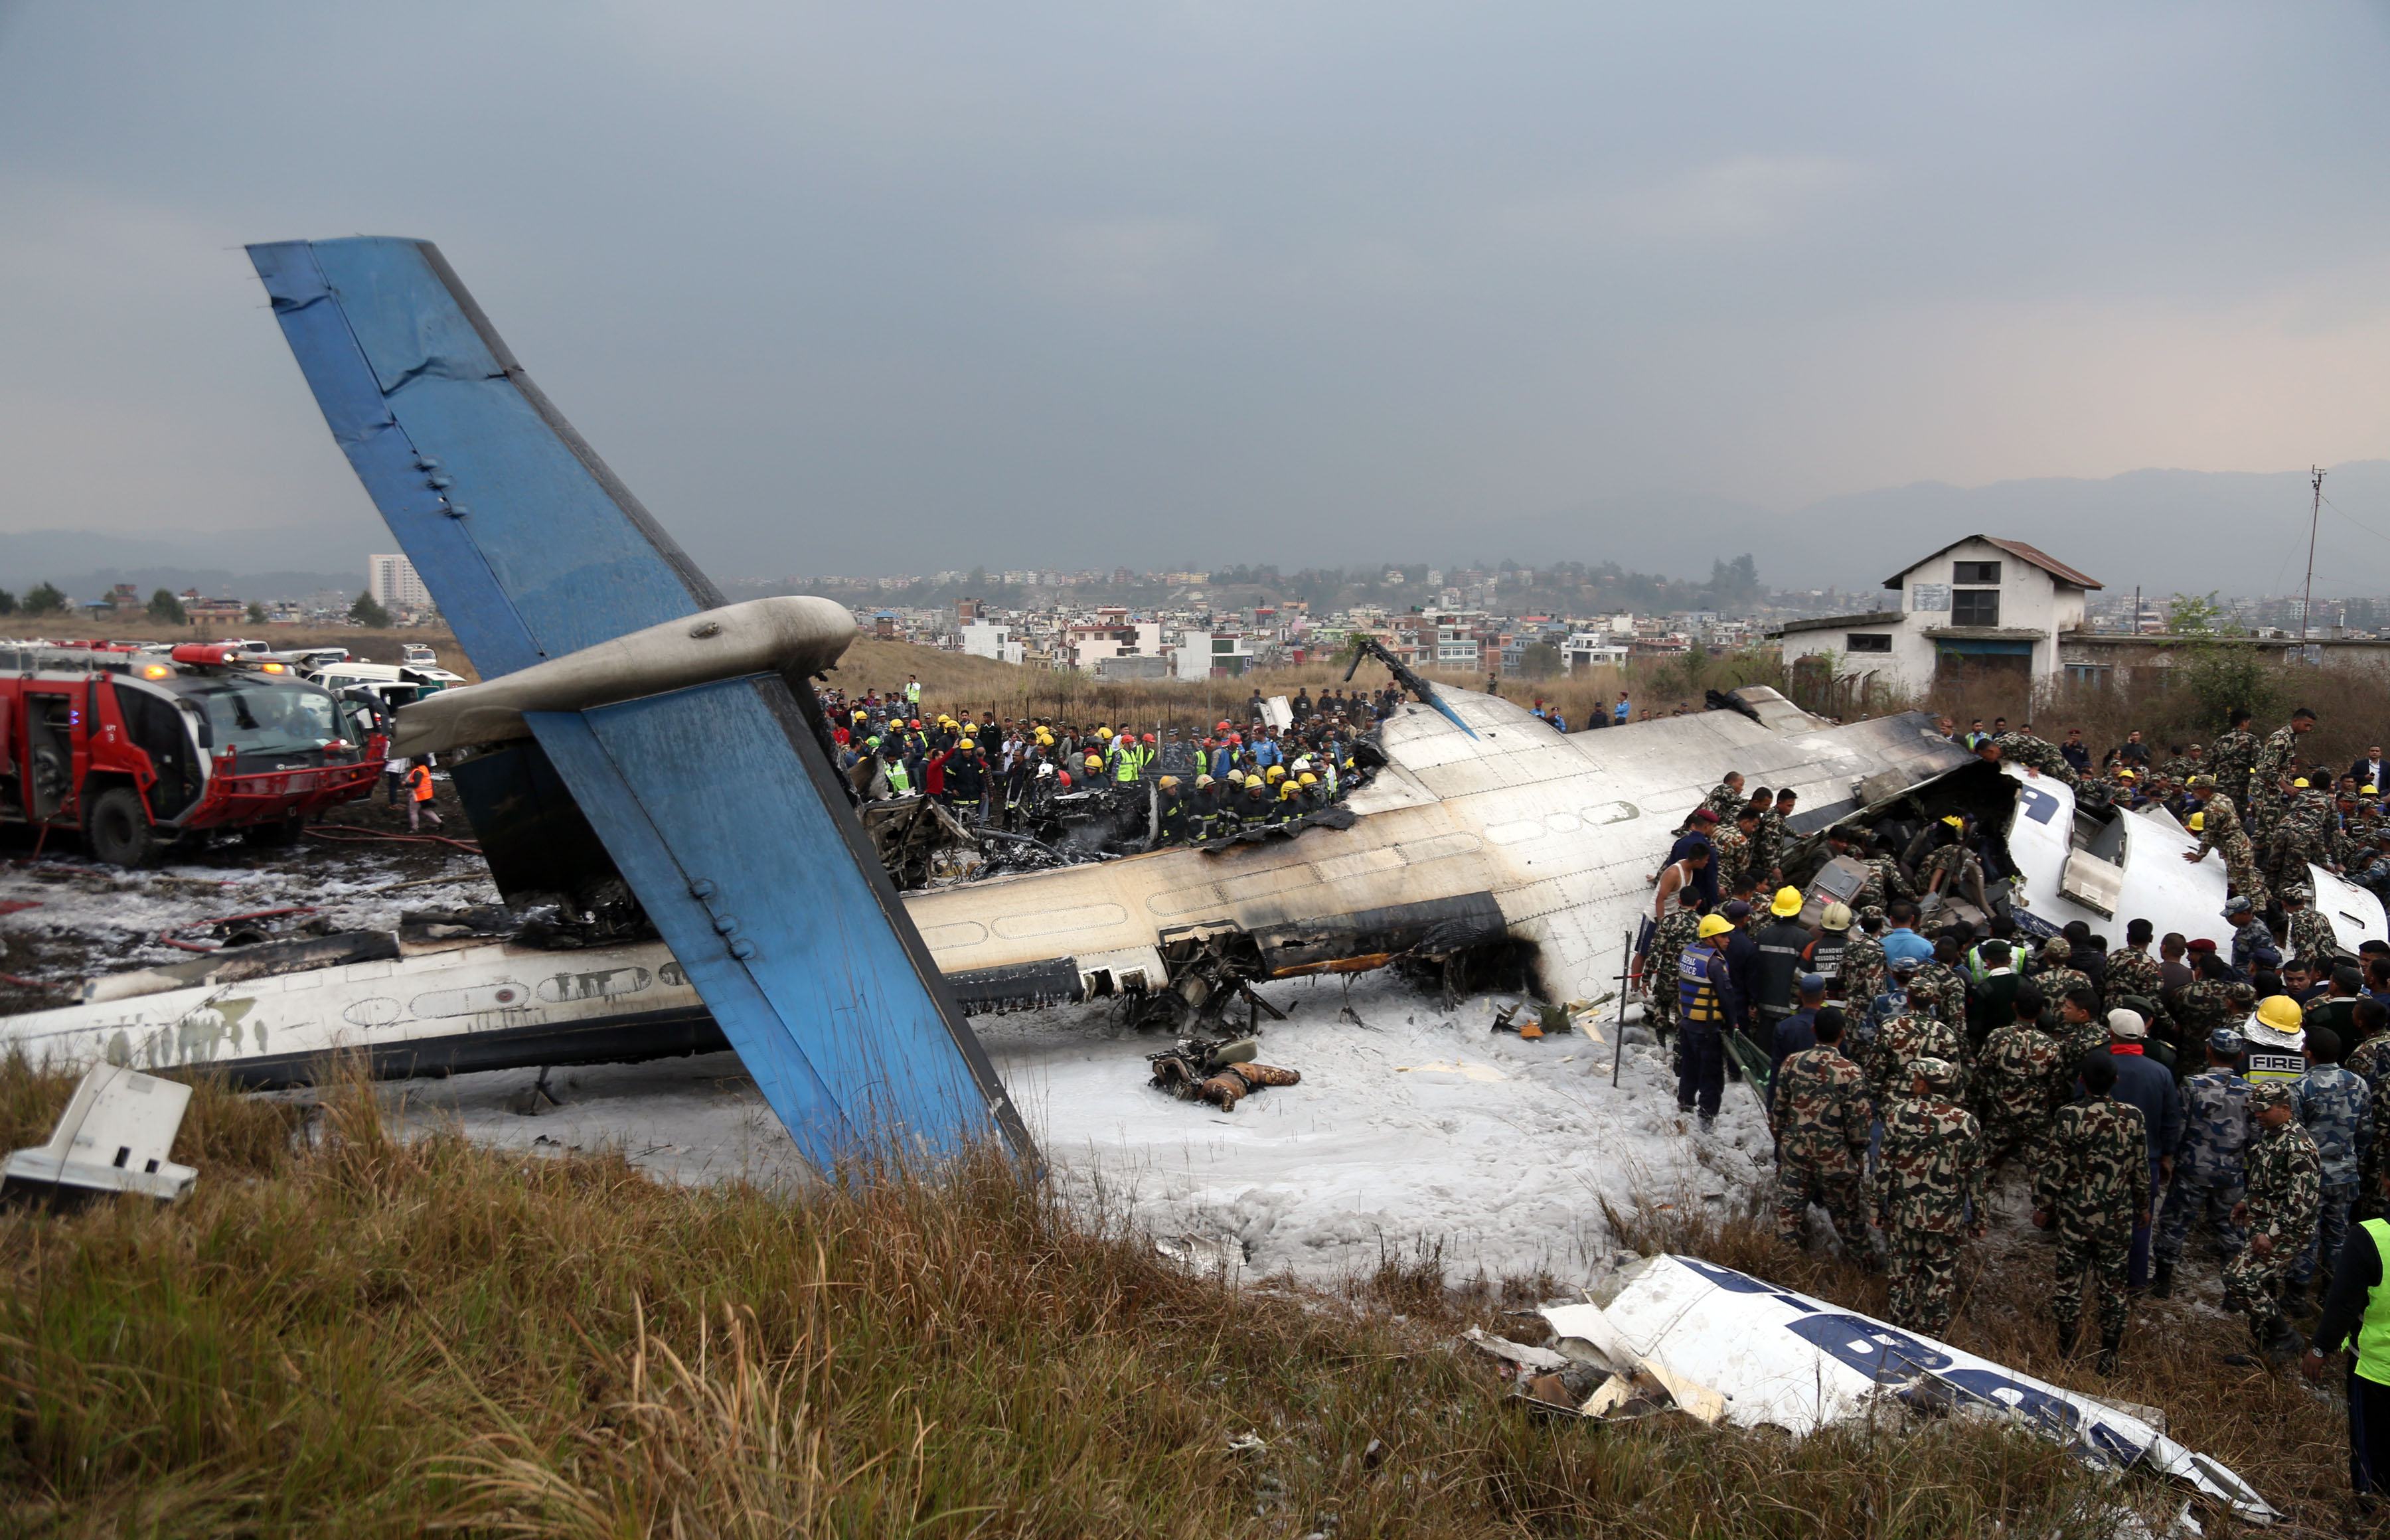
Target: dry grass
{"x": 349, "y": 1334}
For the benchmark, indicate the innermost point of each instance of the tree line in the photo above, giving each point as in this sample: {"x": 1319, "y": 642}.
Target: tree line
{"x": 47, "y": 598}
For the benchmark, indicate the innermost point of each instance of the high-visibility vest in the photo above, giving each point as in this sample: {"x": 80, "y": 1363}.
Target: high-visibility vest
{"x": 1697, "y": 997}
{"x": 898, "y": 781}
{"x": 2373, "y": 1327}
{"x": 1130, "y": 762}
{"x": 418, "y": 780}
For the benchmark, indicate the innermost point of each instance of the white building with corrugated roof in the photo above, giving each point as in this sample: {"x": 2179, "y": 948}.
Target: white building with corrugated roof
{"x": 1978, "y": 606}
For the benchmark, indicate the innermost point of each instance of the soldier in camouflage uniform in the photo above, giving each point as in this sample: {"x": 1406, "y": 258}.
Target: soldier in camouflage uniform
{"x": 2302, "y": 834}
{"x": 2028, "y": 753}
{"x": 1907, "y": 1036}
{"x": 1767, "y": 840}
{"x": 1733, "y": 857}
{"x": 1863, "y": 970}
{"x": 1952, "y": 871}
{"x": 2337, "y": 1108}
{"x": 2207, "y": 1163}
{"x": 2093, "y": 1188}
{"x": 2057, "y": 974}
{"x": 1822, "y": 1118}
{"x": 2285, "y": 1185}
{"x": 1885, "y": 882}
{"x": 2370, "y": 1061}
{"x": 2310, "y": 931}
{"x": 2081, "y": 1028}
{"x": 2277, "y": 758}
{"x": 1669, "y": 939}
{"x": 1723, "y": 800}
{"x": 2219, "y": 830}
{"x": 2232, "y": 758}
{"x": 2213, "y": 1000}
{"x": 1930, "y": 1194}
{"x": 1941, "y": 984}
{"x": 2018, "y": 1079}
{"x": 1891, "y": 1002}
{"x": 2132, "y": 970}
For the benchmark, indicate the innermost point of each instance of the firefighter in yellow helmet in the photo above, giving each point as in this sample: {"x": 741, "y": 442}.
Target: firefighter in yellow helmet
{"x": 1707, "y": 1006}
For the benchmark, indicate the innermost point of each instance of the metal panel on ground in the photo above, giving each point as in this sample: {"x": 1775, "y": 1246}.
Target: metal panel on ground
{"x": 716, "y": 803}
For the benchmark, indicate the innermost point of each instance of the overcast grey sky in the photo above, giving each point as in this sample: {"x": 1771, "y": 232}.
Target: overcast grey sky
{"x": 908, "y": 286}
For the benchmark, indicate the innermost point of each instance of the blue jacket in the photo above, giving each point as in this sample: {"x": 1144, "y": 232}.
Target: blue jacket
{"x": 2144, "y": 1083}
{"x": 1796, "y": 1033}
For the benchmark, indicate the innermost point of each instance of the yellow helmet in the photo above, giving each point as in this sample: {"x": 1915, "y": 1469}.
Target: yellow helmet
{"x": 1307, "y": 778}
{"x": 2368, "y": 791}
{"x": 1289, "y": 790}
{"x": 1955, "y": 821}
{"x": 1275, "y": 773}
{"x": 966, "y": 743}
{"x": 2198, "y": 822}
{"x": 2125, "y": 775}
{"x": 1788, "y": 902}
{"x": 1170, "y": 783}
{"x": 2280, "y": 1012}
{"x": 1095, "y": 760}
{"x": 2301, "y": 783}
{"x": 1715, "y": 925}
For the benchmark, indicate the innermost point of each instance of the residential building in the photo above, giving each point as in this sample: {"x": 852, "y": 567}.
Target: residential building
{"x": 1980, "y": 605}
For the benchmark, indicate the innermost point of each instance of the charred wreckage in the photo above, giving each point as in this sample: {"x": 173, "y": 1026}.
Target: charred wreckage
{"x": 682, "y": 868}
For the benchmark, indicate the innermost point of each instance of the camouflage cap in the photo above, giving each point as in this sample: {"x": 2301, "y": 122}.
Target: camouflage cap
{"x": 1938, "y": 1073}
{"x": 2202, "y": 783}
{"x": 1905, "y": 964}
{"x": 1875, "y": 911}
{"x": 2296, "y": 893}
{"x": 2226, "y": 1044}
{"x": 2273, "y": 1092}
{"x": 2058, "y": 947}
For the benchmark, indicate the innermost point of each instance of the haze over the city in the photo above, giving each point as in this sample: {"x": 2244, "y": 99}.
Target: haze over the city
{"x": 841, "y": 288}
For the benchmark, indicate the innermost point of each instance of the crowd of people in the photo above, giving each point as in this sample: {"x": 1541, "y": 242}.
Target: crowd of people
{"x": 2149, "y": 1093}
{"x": 1201, "y": 782}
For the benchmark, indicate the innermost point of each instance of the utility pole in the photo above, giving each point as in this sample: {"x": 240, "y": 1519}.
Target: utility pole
{"x": 2315, "y": 513}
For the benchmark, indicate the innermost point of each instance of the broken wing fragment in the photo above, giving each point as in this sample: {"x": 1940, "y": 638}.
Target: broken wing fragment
{"x": 113, "y": 1137}
{"x": 1730, "y": 1347}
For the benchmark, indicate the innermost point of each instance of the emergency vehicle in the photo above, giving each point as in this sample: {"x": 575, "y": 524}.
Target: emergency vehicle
{"x": 134, "y": 749}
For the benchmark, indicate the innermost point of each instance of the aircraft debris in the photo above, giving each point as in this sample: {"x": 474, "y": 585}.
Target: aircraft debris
{"x": 1723, "y": 1346}
{"x": 115, "y": 1137}
{"x": 1222, "y": 1074}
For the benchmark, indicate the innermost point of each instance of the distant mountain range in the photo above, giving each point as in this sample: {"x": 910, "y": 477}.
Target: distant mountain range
{"x": 250, "y": 564}
{"x": 2168, "y": 531}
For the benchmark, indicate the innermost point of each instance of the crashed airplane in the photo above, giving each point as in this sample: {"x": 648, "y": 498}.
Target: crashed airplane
{"x": 683, "y": 871}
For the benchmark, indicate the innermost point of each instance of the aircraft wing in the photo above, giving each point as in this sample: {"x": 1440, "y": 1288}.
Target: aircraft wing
{"x": 716, "y": 803}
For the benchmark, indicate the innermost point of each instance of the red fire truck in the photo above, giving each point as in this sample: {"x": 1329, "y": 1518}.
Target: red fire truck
{"x": 137, "y": 749}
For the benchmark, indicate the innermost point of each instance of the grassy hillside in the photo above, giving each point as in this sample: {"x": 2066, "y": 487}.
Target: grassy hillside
{"x": 338, "y": 1332}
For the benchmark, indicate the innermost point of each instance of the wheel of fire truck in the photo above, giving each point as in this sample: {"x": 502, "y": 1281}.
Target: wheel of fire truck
{"x": 118, "y": 828}
{"x": 286, "y": 833}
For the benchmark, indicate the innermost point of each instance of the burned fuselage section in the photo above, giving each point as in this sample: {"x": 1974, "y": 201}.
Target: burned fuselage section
{"x": 1485, "y": 841}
